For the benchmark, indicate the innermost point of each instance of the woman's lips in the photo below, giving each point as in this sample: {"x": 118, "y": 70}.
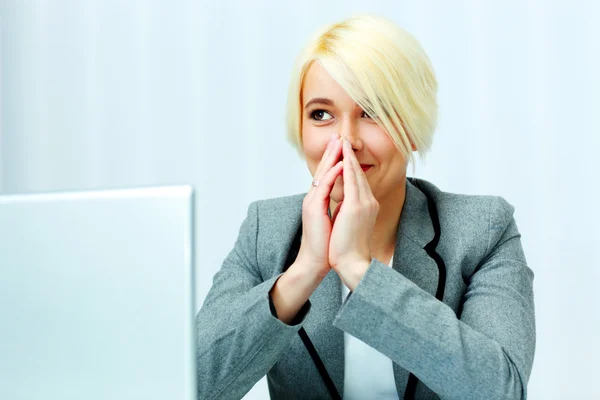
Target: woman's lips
{"x": 365, "y": 167}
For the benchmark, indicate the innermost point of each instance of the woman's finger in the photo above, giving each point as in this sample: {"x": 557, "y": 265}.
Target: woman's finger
{"x": 362, "y": 184}
{"x": 322, "y": 162}
{"x": 326, "y": 183}
{"x": 329, "y": 159}
{"x": 350, "y": 188}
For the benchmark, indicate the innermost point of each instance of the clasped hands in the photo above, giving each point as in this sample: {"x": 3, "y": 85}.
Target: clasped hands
{"x": 352, "y": 222}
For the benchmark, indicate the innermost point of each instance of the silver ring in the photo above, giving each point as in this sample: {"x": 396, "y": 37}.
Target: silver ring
{"x": 315, "y": 183}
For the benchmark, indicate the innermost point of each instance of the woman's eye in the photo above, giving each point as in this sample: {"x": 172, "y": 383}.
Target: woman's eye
{"x": 317, "y": 115}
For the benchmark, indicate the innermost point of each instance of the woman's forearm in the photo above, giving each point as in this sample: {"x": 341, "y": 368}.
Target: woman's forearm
{"x": 292, "y": 290}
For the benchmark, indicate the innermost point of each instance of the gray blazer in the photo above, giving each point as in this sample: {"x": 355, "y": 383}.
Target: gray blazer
{"x": 477, "y": 342}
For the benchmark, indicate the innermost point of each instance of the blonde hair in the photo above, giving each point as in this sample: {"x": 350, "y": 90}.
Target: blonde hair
{"x": 383, "y": 69}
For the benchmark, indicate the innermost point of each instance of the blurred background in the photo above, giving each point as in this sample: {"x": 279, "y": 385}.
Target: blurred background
{"x": 114, "y": 93}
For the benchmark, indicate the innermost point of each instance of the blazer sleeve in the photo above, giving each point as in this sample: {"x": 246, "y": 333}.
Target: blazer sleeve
{"x": 487, "y": 353}
{"x": 238, "y": 337}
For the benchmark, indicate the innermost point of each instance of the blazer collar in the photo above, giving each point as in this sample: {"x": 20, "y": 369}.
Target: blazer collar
{"x": 415, "y": 221}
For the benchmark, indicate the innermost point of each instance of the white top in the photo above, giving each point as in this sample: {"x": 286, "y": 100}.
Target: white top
{"x": 368, "y": 374}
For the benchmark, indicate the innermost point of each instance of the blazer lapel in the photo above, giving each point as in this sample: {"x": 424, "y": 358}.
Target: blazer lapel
{"x": 415, "y": 232}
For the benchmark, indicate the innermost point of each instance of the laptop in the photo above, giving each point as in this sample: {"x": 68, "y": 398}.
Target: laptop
{"x": 97, "y": 295}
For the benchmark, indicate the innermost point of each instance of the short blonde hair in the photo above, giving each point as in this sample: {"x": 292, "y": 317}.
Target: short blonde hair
{"x": 385, "y": 71}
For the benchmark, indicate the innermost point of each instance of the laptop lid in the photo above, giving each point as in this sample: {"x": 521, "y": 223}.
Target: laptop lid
{"x": 97, "y": 295}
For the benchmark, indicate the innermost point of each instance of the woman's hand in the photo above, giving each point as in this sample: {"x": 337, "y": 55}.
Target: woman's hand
{"x": 316, "y": 224}
{"x": 353, "y": 222}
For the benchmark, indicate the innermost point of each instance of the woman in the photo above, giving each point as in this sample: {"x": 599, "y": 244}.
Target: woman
{"x": 371, "y": 285}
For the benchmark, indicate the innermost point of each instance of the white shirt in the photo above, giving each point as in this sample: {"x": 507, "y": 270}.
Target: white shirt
{"x": 368, "y": 374}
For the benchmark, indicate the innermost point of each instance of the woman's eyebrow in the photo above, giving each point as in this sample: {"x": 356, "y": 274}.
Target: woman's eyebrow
{"x": 319, "y": 100}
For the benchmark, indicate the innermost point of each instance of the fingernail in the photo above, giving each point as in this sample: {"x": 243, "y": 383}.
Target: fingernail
{"x": 346, "y": 142}
{"x": 333, "y": 137}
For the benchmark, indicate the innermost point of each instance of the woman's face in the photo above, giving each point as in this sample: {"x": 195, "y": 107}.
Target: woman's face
{"x": 340, "y": 114}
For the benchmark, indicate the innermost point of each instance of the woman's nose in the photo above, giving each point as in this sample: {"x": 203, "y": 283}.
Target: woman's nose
{"x": 355, "y": 142}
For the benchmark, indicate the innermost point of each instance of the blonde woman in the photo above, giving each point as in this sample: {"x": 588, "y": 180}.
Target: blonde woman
{"x": 371, "y": 285}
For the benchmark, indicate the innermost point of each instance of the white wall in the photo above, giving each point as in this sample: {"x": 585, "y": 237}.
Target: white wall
{"x": 112, "y": 93}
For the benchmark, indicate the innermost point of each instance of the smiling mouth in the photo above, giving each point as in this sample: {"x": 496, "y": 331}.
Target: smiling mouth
{"x": 364, "y": 167}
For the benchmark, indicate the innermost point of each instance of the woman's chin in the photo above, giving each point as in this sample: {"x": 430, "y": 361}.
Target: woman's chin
{"x": 337, "y": 193}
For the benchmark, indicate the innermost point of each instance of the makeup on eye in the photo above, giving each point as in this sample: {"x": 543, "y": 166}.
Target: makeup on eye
{"x": 312, "y": 115}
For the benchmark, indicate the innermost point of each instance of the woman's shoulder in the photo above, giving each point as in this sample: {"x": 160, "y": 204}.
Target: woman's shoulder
{"x": 477, "y": 221}
{"x": 461, "y": 205}
{"x": 487, "y": 217}
{"x": 282, "y": 204}
{"x": 288, "y": 200}
{"x": 277, "y": 214}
